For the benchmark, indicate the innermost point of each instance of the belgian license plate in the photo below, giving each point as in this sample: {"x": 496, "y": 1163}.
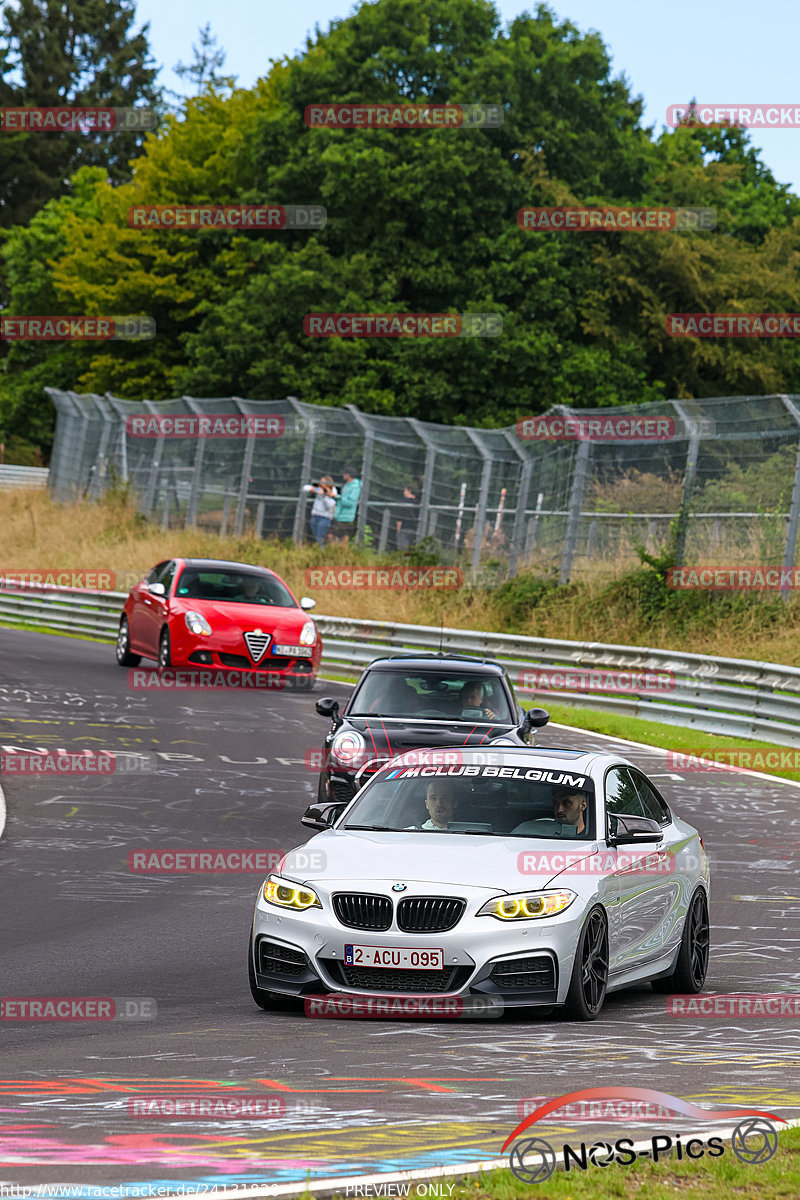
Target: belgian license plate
{"x": 410, "y": 959}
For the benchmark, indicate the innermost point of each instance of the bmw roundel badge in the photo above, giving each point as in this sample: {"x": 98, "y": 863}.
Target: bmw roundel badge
{"x": 398, "y": 887}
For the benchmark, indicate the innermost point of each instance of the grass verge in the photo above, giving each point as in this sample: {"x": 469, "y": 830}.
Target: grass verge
{"x": 705, "y": 1179}
{"x": 752, "y": 755}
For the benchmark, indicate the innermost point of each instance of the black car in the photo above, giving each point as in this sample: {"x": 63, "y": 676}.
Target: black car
{"x": 408, "y": 702}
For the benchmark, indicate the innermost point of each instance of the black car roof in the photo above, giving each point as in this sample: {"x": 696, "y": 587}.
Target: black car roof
{"x": 438, "y": 662}
{"x": 212, "y": 563}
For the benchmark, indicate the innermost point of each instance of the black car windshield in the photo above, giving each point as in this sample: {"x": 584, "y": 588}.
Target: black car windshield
{"x": 432, "y": 695}
{"x": 471, "y": 798}
{"x": 232, "y": 587}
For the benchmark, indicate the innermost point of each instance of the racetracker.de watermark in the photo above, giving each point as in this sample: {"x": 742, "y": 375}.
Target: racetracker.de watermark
{"x": 751, "y": 1005}
{"x": 735, "y": 325}
{"x": 383, "y": 578}
{"x": 226, "y": 861}
{"x": 752, "y": 116}
{"x": 404, "y": 116}
{"x": 77, "y": 329}
{"x": 76, "y": 119}
{"x": 77, "y": 1008}
{"x": 603, "y": 1110}
{"x": 210, "y": 425}
{"x": 748, "y": 578}
{"x": 387, "y": 1007}
{"x": 400, "y": 325}
{"x": 610, "y": 428}
{"x": 579, "y": 219}
{"x": 256, "y": 217}
{"x": 738, "y": 758}
{"x": 601, "y": 862}
{"x": 172, "y": 679}
{"x": 44, "y": 762}
{"x": 595, "y": 679}
{"x": 210, "y": 1108}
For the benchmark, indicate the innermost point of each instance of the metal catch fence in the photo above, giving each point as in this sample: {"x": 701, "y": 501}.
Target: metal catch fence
{"x": 728, "y": 471}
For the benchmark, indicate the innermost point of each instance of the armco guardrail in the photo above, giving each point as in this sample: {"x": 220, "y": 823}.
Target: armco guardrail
{"x": 23, "y": 477}
{"x": 732, "y": 696}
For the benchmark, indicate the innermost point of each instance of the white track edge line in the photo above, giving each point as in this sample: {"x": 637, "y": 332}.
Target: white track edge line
{"x": 3, "y": 811}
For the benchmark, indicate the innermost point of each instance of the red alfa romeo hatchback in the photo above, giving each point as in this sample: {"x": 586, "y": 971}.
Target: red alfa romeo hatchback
{"x": 209, "y": 612}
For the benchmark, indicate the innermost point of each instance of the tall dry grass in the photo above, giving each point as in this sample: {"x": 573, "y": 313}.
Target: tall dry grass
{"x": 36, "y": 534}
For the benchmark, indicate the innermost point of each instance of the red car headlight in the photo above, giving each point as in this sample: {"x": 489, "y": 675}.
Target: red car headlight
{"x": 197, "y": 624}
{"x": 308, "y": 634}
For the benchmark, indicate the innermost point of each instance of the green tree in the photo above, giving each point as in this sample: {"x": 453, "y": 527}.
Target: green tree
{"x": 425, "y": 221}
{"x": 56, "y": 54}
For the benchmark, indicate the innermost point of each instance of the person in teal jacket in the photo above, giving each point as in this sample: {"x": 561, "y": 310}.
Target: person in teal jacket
{"x": 346, "y": 506}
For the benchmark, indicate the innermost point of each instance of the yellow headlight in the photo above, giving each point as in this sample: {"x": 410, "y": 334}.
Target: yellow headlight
{"x": 527, "y": 905}
{"x": 289, "y": 895}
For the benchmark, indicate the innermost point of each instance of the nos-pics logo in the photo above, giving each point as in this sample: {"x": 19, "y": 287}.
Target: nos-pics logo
{"x": 533, "y": 1160}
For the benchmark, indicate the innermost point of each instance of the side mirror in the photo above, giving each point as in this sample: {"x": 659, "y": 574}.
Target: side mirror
{"x": 306, "y": 603}
{"x": 326, "y": 706}
{"x": 322, "y": 816}
{"x": 157, "y": 589}
{"x": 630, "y": 831}
{"x": 535, "y": 718}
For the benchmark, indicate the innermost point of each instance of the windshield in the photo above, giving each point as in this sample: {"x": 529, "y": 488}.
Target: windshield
{"x": 504, "y": 801}
{"x": 233, "y": 587}
{"x": 432, "y": 695}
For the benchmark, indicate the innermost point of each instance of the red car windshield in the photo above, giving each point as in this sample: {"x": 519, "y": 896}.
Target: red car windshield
{"x": 233, "y": 587}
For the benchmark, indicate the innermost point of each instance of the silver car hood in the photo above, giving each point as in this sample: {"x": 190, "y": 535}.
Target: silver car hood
{"x": 470, "y": 861}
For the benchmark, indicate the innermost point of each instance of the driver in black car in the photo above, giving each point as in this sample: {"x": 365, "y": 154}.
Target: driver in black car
{"x": 473, "y": 696}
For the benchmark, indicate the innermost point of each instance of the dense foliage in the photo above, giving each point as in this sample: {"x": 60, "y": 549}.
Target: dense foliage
{"x": 418, "y": 221}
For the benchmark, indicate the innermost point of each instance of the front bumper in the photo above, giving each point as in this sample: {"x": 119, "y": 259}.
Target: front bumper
{"x": 228, "y": 652}
{"x": 302, "y": 954}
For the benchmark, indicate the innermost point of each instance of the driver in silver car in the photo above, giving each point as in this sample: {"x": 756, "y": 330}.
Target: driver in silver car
{"x": 568, "y": 809}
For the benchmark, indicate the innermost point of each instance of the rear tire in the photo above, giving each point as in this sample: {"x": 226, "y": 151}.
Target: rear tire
{"x": 124, "y": 656}
{"x": 587, "y": 988}
{"x": 692, "y": 965}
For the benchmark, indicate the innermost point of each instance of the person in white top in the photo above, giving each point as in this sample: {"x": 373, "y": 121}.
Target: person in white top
{"x": 325, "y": 497}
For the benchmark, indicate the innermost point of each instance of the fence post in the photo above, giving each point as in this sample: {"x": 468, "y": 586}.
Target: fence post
{"x": 518, "y": 530}
{"x": 366, "y": 470}
{"x": 155, "y": 466}
{"x": 794, "y": 512}
{"x": 196, "y": 488}
{"x": 95, "y": 487}
{"x": 299, "y": 529}
{"x": 690, "y": 472}
{"x": 384, "y": 534}
{"x": 575, "y": 505}
{"x": 483, "y": 500}
{"x": 427, "y": 482}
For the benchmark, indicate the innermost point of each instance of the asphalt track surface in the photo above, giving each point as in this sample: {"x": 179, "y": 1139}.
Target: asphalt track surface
{"x": 351, "y": 1096}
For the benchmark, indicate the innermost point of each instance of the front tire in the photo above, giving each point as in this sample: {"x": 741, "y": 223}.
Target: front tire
{"x": 164, "y": 651}
{"x": 692, "y": 965}
{"x": 124, "y": 656}
{"x": 587, "y": 988}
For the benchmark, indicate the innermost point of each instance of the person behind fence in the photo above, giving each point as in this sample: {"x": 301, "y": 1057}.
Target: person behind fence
{"x": 325, "y": 496}
{"x": 346, "y": 506}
